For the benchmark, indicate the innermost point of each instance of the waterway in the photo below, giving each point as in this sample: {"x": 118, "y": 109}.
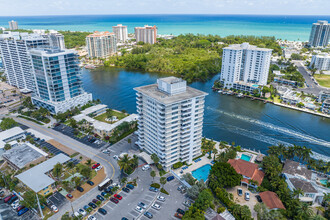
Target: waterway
{"x": 251, "y": 124}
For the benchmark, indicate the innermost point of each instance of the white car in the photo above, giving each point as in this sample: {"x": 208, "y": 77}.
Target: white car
{"x": 15, "y": 206}
{"x": 54, "y": 208}
{"x": 115, "y": 157}
{"x": 115, "y": 185}
{"x": 91, "y": 218}
{"x": 247, "y": 196}
{"x": 146, "y": 167}
{"x": 187, "y": 203}
{"x": 161, "y": 198}
{"x": 82, "y": 212}
{"x": 15, "y": 203}
{"x": 139, "y": 209}
{"x": 155, "y": 206}
{"x": 77, "y": 214}
{"x": 98, "y": 168}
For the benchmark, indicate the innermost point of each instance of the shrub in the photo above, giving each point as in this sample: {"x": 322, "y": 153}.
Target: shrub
{"x": 156, "y": 185}
{"x": 162, "y": 172}
{"x": 177, "y": 165}
{"x": 107, "y": 196}
{"x": 89, "y": 209}
{"x": 164, "y": 191}
{"x": 221, "y": 210}
{"x": 98, "y": 203}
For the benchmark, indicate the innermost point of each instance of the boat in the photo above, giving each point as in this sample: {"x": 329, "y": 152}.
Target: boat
{"x": 240, "y": 95}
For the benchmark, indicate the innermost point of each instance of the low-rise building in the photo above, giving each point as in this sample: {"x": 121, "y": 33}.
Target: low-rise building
{"x": 271, "y": 200}
{"x": 249, "y": 171}
{"x": 288, "y": 96}
{"x": 285, "y": 81}
{"x": 298, "y": 176}
{"x": 22, "y": 155}
{"x": 95, "y": 110}
{"x": 11, "y": 134}
{"x": 38, "y": 179}
{"x": 278, "y": 73}
{"x": 323, "y": 95}
{"x": 246, "y": 87}
{"x": 326, "y": 106}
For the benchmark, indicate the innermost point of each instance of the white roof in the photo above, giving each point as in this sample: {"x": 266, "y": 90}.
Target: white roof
{"x": 10, "y": 133}
{"x": 36, "y": 179}
{"x": 93, "y": 109}
{"x": 146, "y": 157}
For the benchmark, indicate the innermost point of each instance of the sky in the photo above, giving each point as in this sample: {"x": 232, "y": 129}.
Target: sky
{"x": 86, "y": 7}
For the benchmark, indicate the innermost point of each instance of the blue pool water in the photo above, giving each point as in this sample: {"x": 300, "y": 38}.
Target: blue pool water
{"x": 245, "y": 157}
{"x": 324, "y": 182}
{"x": 202, "y": 172}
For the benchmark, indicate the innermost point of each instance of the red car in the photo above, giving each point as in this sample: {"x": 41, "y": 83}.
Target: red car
{"x": 20, "y": 208}
{"x": 6, "y": 199}
{"x": 95, "y": 165}
{"x": 118, "y": 196}
{"x": 114, "y": 200}
{"x": 69, "y": 196}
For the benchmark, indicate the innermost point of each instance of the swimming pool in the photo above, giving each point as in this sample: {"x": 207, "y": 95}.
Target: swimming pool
{"x": 245, "y": 157}
{"x": 202, "y": 172}
{"x": 324, "y": 182}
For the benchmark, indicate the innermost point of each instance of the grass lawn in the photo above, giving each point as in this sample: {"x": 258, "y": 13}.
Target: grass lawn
{"x": 103, "y": 116}
{"x": 323, "y": 79}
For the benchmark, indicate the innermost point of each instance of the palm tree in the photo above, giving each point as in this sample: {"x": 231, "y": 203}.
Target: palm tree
{"x": 306, "y": 153}
{"x": 297, "y": 192}
{"x": 215, "y": 151}
{"x": 125, "y": 163}
{"x": 70, "y": 165}
{"x": 153, "y": 174}
{"x": 162, "y": 181}
{"x": 319, "y": 209}
{"x": 304, "y": 211}
{"x": 88, "y": 162}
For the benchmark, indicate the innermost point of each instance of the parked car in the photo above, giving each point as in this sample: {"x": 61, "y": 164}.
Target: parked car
{"x": 170, "y": 178}
{"x": 247, "y": 196}
{"x": 115, "y": 157}
{"x": 92, "y": 205}
{"x": 12, "y": 199}
{"x": 114, "y": 200}
{"x": 15, "y": 203}
{"x": 76, "y": 214}
{"x": 100, "y": 198}
{"x": 153, "y": 189}
{"x": 139, "y": 209}
{"x": 90, "y": 183}
{"x": 180, "y": 211}
{"x": 130, "y": 186}
{"x": 20, "y": 208}
{"x": 21, "y": 212}
{"x": 54, "y": 208}
{"x": 15, "y": 206}
{"x": 80, "y": 189}
{"x": 155, "y": 206}
{"x": 82, "y": 212}
{"x": 187, "y": 203}
{"x": 180, "y": 187}
{"x": 108, "y": 190}
{"x": 142, "y": 205}
{"x": 146, "y": 167}
{"x": 98, "y": 168}
{"x": 95, "y": 165}
{"x": 95, "y": 201}
{"x": 102, "y": 211}
{"x": 6, "y": 199}
{"x": 118, "y": 196}
{"x": 104, "y": 194}
{"x": 91, "y": 218}
{"x": 69, "y": 196}
{"x": 178, "y": 215}
{"x": 124, "y": 218}
{"x": 161, "y": 198}
{"x": 239, "y": 192}
{"x": 126, "y": 189}
{"x": 258, "y": 198}
{"x": 148, "y": 215}
{"x": 86, "y": 207}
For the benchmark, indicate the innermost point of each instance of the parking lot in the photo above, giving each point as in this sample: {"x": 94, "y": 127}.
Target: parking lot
{"x": 58, "y": 200}
{"x": 7, "y": 212}
{"x": 240, "y": 199}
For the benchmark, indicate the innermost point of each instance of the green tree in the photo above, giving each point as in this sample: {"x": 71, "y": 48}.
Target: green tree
{"x": 163, "y": 181}
{"x": 77, "y": 181}
{"x": 57, "y": 170}
{"x": 125, "y": 163}
{"x": 88, "y": 162}
{"x": 189, "y": 178}
{"x": 153, "y": 174}
{"x": 223, "y": 175}
{"x": 86, "y": 172}
{"x": 155, "y": 158}
{"x": 7, "y": 123}
{"x": 70, "y": 165}
{"x": 7, "y": 147}
{"x": 30, "y": 199}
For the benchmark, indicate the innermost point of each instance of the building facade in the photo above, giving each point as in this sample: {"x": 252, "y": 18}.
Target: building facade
{"x": 57, "y": 79}
{"x": 170, "y": 120}
{"x": 320, "y": 34}
{"x": 56, "y": 40}
{"x": 120, "y": 32}
{"x": 146, "y": 34}
{"x": 14, "y": 49}
{"x": 321, "y": 62}
{"x": 101, "y": 44}
{"x": 246, "y": 63}
{"x": 13, "y": 25}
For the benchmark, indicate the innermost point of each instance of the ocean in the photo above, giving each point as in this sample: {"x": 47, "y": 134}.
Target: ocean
{"x": 280, "y": 26}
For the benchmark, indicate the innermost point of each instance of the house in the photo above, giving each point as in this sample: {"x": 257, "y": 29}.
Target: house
{"x": 271, "y": 200}
{"x": 95, "y": 110}
{"x": 22, "y": 155}
{"x": 323, "y": 95}
{"x": 298, "y": 176}
{"x": 38, "y": 177}
{"x": 249, "y": 171}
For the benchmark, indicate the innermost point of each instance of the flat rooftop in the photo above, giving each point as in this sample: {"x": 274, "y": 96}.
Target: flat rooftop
{"x": 165, "y": 98}
{"x": 246, "y": 46}
{"x": 11, "y": 133}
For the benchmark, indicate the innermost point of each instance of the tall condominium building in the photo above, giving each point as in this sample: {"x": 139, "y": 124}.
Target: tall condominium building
{"x": 170, "y": 120}
{"x": 14, "y": 49}
{"x": 56, "y": 40}
{"x": 244, "y": 62}
{"x": 101, "y": 44}
{"x": 320, "y": 34}
{"x": 146, "y": 34}
{"x": 321, "y": 62}
{"x": 120, "y": 32}
{"x": 13, "y": 25}
{"x": 57, "y": 78}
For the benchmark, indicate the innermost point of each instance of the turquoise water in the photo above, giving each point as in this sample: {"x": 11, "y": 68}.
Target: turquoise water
{"x": 280, "y": 26}
{"x": 245, "y": 157}
{"x": 324, "y": 182}
{"x": 202, "y": 172}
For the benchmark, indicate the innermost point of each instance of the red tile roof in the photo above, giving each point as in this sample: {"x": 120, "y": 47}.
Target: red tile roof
{"x": 247, "y": 169}
{"x": 271, "y": 200}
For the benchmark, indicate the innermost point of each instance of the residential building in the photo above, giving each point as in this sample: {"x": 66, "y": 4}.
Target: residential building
{"x": 321, "y": 61}
{"x": 288, "y": 96}
{"x": 323, "y": 95}
{"x": 246, "y": 87}
{"x": 56, "y": 40}
{"x": 298, "y": 176}
{"x": 285, "y": 81}
{"x": 38, "y": 178}
{"x": 14, "y": 49}
{"x": 320, "y": 34}
{"x": 245, "y": 62}
{"x": 170, "y": 120}
{"x": 249, "y": 171}
{"x": 13, "y": 25}
{"x": 11, "y": 134}
{"x": 326, "y": 106}
{"x": 22, "y": 155}
{"x": 271, "y": 200}
{"x": 58, "y": 80}
{"x": 146, "y": 34}
{"x": 101, "y": 44}
{"x": 120, "y": 32}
